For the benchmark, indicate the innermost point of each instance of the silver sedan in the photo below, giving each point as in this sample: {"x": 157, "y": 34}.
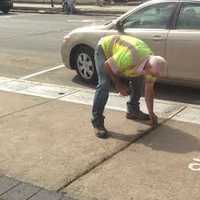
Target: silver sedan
{"x": 170, "y": 27}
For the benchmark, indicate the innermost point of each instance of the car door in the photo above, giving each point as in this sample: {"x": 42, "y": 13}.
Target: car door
{"x": 183, "y": 44}
{"x": 151, "y": 25}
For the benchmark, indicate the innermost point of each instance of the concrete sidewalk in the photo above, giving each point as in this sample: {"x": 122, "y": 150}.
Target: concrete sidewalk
{"x": 49, "y": 151}
{"x": 81, "y": 9}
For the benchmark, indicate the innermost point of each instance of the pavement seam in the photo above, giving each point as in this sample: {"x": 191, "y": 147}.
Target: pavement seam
{"x": 33, "y": 106}
{"x": 103, "y": 160}
{"x": 39, "y": 104}
{"x": 173, "y": 115}
{"x": 17, "y": 184}
{"x": 23, "y": 109}
{"x": 34, "y": 194}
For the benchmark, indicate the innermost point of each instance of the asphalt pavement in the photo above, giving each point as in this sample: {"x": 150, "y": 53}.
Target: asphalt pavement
{"x": 48, "y": 149}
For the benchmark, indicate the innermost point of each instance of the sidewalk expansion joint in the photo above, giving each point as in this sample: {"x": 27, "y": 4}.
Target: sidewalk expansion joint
{"x": 173, "y": 115}
{"x": 36, "y": 105}
{"x": 34, "y": 194}
{"x": 23, "y": 109}
{"x": 103, "y": 160}
{"x": 10, "y": 189}
{"x": 61, "y": 95}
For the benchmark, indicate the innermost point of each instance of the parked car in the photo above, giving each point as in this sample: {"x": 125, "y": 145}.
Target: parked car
{"x": 6, "y": 5}
{"x": 170, "y": 27}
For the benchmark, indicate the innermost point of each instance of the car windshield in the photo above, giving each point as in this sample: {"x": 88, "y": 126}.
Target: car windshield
{"x": 125, "y": 14}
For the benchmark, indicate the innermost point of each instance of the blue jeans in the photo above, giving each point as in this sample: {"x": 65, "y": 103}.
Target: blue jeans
{"x": 136, "y": 88}
{"x": 68, "y": 6}
{"x": 103, "y": 87}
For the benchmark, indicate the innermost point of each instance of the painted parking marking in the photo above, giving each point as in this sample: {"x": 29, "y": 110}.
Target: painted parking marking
{"x": 41, "y": 72}
{"x": 195, "y": 165}
{"x": 15, "y": 85}
{"x": 6, "y": 16}
{"x": 5, "y": 79}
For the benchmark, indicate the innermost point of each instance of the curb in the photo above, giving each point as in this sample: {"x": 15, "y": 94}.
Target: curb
{"x": 38, "y": 10}
{"x": 79, "y": 10}
{"x": 131, "y": 3}
{"x": 60, "y": 11}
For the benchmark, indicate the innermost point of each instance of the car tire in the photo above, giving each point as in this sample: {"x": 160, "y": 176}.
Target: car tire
{"x": 85, "y": 65}
{"x": 5, "y": 10}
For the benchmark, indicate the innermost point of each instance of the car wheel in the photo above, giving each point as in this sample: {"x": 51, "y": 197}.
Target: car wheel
{"x": 6, "y": 10}
{"x": 85, "y": 65}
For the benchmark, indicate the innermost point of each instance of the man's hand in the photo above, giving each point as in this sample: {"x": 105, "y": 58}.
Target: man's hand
{"x": 153, "y": 120}
{"x": 122, "y": 89}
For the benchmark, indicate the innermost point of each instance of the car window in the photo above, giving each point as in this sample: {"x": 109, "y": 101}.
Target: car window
{"x": 189, "y": 17}
{"x": 154, "y": 17}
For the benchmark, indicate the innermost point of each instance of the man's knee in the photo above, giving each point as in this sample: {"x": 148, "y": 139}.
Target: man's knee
{"x": 104, "y": 85}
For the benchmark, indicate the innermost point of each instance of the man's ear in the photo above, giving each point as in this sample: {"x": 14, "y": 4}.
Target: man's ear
{"x": 147, "y": 66}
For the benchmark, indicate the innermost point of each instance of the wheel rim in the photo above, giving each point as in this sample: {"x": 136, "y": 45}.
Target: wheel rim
{"x": 85, "y": 66}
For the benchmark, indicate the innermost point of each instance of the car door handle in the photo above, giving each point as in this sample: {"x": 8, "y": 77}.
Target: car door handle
{"x": 158, "y": 38}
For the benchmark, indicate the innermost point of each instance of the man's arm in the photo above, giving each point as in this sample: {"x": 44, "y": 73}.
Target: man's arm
{"x": 149, "y": 98}
{"x": 121, "y": 88}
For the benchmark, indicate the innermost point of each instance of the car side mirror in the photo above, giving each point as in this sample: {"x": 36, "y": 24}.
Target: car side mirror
{"x": 119, "y": 26}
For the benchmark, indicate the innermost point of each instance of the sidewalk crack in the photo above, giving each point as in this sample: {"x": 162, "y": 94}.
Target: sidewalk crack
{"x": 17, "y": 184}
{"x": 173, "y": 115}
{"x": 34, "y": 194}
{"x": 39, "y": 104}
{"x": 103, "y": 160}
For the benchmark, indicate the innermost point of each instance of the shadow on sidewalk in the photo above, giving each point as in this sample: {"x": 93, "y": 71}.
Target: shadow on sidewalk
{"x": 122, "y": 137}
{"x": 164, "y": 138}
{"x": 178, "y": 93}
{"x": 169, "y": 139}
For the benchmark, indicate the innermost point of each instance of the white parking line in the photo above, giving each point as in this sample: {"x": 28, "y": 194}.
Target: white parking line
{"x": 6, "y": 16}
{"x": 41, "y": 72}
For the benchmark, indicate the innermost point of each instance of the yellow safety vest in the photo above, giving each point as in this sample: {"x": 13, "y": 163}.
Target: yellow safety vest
{"x": 125, "y": 53}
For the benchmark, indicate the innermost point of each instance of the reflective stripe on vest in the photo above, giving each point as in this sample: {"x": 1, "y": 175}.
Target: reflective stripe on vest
{"x": 114, "y": 68}
{"x": 117, "y": 40}
{"x": 114, "y": 40}
{"x": 134, "y": 54}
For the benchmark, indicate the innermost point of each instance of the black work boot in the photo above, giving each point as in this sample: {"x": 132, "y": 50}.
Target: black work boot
{"x": 99, "y": 128}
{"x": 101, "y": 132}
{"x": 137, "y": 116}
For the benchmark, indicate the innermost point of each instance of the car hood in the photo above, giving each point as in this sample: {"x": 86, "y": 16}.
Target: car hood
{"x": 89, "y": 28}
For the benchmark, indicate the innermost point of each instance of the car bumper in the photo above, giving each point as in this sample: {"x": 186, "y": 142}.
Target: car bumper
{"x": 65, "y": 54}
